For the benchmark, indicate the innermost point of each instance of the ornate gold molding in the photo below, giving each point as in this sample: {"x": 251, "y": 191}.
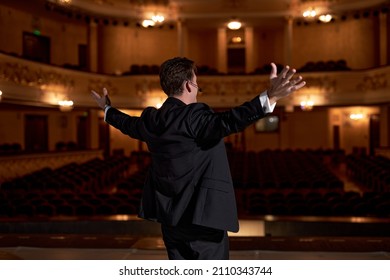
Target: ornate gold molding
{"x": 99, "y": 84}
{"x": 374, "y": 82}
{"x": 21, "y": 78}
{"x": 324, "y": 83}
{"x": 23, "y": 75}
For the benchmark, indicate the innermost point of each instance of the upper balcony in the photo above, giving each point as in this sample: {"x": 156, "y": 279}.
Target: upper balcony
{"x": 31, "y": 83}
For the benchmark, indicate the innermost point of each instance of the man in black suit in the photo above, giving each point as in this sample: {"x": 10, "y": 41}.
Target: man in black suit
{"x": 189, "y": 188}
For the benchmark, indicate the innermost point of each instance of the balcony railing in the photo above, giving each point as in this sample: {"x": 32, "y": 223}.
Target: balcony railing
{"x": 27, "y": 82}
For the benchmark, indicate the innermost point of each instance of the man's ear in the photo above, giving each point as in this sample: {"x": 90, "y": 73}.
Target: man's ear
{"x": 187, "y": 86}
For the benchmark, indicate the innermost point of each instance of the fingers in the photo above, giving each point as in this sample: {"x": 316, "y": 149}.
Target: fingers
{"x": 274, "y": 71}
{"x": 295, "y": 81}
{"x": 102, "y": 101}
{"x": 284, "y": 72}
{"x": 290, "y": 74}
{"x": 298, "y": 86}
{"x": 285, "y": 83}
{"x": 97, "y": 95}
{"x": 287, "y": 79}
{"x": 284, "y": 76}
{"x": 287, "y": 74}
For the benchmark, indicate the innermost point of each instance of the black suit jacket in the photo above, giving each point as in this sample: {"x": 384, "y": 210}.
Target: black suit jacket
{"x": 189, "y": 179}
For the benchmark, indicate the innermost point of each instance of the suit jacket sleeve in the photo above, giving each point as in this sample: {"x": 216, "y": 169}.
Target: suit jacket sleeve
{"x": 208, "y": 125}
{"x": 203, "y": 124}
{"x": 128, "y": 125}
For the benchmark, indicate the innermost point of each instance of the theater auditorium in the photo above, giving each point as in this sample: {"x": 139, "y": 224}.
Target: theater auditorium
{"x": 311, "y": 179}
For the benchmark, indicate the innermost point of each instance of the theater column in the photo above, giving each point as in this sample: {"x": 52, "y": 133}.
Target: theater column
{"x": 181, "y": 38}
{"x": 383, "y": 39}
{"x": 288, "y": 37}
{"x": 222, "y": 50}
{"x": 93, "y": 115}
{"x": 92, "y": 47}
{"x": 249, "y": 61}
{"x": 384, "y": 126}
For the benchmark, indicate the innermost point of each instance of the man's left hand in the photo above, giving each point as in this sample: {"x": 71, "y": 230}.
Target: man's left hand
{"x": 284, "y": 84}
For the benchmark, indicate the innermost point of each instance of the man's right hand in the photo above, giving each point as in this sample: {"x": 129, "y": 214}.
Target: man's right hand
{"x": 102, "y": 101}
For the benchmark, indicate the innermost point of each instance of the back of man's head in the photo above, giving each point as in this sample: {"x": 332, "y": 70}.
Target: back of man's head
{"x": 174, "y": 72}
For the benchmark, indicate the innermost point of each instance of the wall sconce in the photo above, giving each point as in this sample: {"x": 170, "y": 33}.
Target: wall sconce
{"x": 356, "y": 116}
{"x": 1, "y": 94}
{"x": 234, "y": 24}
{"x": 65, "y": 105}
{"x": 237, "y": 40}
{"x": 307, "y": 105}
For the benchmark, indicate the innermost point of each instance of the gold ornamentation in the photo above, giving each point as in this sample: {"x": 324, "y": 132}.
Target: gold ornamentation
{"x": 99, "y": 84}
{"x": 323, "y": 83}
{"x": 374, "y": 82}
{"x": 25, "y": 76}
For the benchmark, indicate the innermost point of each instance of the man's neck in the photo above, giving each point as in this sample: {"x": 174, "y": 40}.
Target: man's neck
{"x": 182, "y": 98}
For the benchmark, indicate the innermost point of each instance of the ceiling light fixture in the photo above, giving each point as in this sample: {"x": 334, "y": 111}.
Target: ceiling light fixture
{"x": 234, "y": 25}
{"x": 158, "y": 18}
{"x": 325, "y": 18}
{"x": 310, "y": 13}
{"x": 148, "y": 23}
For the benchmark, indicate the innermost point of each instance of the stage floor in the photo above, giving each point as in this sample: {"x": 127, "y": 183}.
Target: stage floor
{"x": 111, "y": 247}
{"x": 130, "y": 238}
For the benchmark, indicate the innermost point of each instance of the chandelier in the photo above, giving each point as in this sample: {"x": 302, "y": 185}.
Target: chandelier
{"x": 155, "y": 19}
{"x": 320, "y": 10}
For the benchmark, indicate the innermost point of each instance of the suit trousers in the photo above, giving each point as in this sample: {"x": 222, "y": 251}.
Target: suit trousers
{"x": 193, "y": 242}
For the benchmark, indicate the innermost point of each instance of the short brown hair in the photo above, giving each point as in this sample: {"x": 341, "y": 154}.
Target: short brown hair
{"x": 174, "y": 72}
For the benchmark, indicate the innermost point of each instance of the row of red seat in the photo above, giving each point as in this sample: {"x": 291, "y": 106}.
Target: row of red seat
{"x": 372, "y": 172}
{"x": 267, "y": 183}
